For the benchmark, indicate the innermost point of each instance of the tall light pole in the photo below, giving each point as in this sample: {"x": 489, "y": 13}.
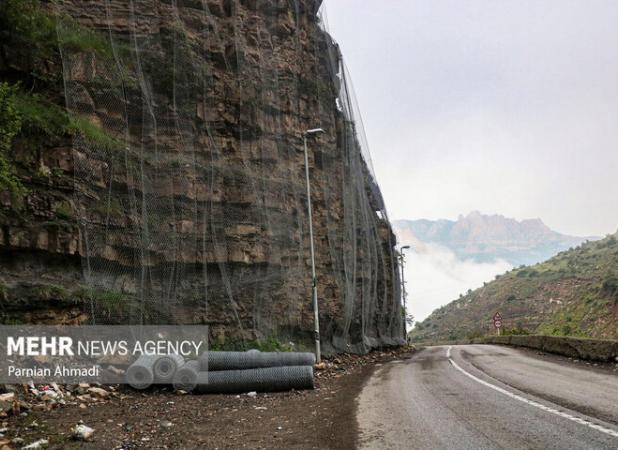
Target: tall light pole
{"x": 404, "y": 294}
{"x": 314, "y": 280}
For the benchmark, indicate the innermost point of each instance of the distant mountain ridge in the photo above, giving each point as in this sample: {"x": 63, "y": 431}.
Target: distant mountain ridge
{"x": 487, "y": 238}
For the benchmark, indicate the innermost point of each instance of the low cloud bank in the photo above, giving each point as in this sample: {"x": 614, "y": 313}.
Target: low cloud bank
{"x": 435, "y": 276}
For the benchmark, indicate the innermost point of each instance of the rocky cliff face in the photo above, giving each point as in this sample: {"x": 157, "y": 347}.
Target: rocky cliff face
{"x": 176, "y": 193}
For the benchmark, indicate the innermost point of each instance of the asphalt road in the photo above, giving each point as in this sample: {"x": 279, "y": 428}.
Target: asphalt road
{"x": 488, "y": 397}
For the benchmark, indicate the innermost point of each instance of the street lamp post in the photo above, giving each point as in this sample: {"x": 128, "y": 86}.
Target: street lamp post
{"x": 314, "y": 280}
{"x": 404, "y": 294}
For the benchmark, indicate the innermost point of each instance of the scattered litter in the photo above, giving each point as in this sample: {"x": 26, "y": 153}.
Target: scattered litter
{"x": 81, "y": 432}
{"x": 115, "y": 370}
{"x": 8, "y": 397}
{"x": 41, "y": 443}
{"x": 82, "y": 388}
{"x": 98, "y": 392}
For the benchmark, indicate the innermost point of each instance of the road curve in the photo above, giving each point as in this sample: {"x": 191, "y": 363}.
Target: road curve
{"x": 487, "y": 397}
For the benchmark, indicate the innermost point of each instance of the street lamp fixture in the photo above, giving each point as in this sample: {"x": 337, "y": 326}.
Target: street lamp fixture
{"x": 404, "y": 294}
{"x": 314, "y": 280}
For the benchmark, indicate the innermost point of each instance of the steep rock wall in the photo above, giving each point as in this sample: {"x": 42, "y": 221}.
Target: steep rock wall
{"x": 190, "y": 204}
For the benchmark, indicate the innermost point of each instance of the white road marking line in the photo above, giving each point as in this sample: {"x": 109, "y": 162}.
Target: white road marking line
{"x": 565, "y": 415}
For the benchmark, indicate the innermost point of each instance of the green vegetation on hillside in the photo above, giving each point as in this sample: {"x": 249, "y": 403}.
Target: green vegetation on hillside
{"x": 31, "y": 30}
{"x": 574, "y": 293}
{"x": 31, "y": 102}
{"x": 34, "y": 117}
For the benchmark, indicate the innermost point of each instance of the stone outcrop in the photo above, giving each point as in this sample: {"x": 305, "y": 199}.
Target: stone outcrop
{"x": 187, "y": 204}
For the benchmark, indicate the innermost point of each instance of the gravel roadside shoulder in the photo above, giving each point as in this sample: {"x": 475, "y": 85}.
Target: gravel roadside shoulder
{"x": 324, "y": 418}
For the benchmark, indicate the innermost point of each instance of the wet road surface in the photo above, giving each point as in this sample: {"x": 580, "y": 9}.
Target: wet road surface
{"x": 488, "y": 397}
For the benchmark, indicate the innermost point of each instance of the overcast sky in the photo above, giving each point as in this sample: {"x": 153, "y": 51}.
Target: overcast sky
{"x": 502, "y": 106}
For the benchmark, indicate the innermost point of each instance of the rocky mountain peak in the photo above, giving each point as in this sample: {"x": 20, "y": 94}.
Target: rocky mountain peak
{"x": 488, "y": 237}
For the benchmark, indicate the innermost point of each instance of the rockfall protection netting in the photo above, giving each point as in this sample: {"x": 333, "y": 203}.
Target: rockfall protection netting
{"x": 190, "y": 187}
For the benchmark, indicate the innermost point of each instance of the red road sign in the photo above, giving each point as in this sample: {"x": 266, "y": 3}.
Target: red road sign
{"x": 497, "y": 320}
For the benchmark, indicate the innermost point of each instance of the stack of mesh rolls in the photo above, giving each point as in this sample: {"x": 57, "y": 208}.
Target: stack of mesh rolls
{"x": 153, "y": 369}
{"x": 235, "y": 372}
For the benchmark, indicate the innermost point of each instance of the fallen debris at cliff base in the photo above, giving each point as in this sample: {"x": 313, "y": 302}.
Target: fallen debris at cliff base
{"x": 160, "y": 418}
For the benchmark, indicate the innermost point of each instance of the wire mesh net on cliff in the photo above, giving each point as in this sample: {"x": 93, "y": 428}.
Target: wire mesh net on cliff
{"x": 192, "y": 200}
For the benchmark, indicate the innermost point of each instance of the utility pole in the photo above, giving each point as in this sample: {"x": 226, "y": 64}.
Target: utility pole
{"x": 314, "y": 280}
{"x": 404, "y": 294}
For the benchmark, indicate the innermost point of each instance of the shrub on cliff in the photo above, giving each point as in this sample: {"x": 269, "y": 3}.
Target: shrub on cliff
{"x": 29, "y": 51}
{"x": 32, "y": 116}
{"x": 10, "y": 125}
{"x": 610, "y": 286}
{"x": 31, "y": 42}
{"x": 31, "y": 102}
{"x": 515, "y": 331}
